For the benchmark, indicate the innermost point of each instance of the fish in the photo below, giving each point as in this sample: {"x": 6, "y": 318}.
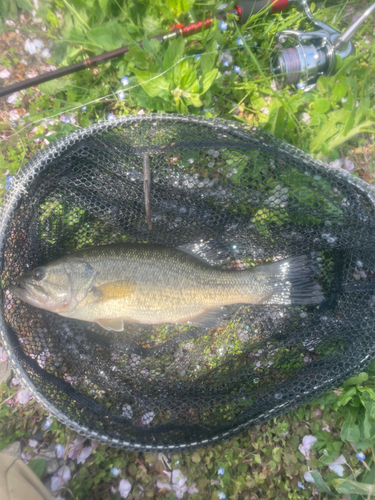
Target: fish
{"x": 152, "y": 284}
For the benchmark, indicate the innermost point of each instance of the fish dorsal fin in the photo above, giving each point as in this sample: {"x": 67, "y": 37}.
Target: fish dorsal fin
{"x": 210, "y": 318}
{"x": 114, "y": 290}
{"x": 115, "y": 324}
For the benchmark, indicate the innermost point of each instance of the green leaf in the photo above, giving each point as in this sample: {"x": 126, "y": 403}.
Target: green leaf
{"x": 319, "y": 482}
{"x": 174, "y": 52}
{"x": 349, "y": 430}
{"x": 55, "y": 86}
{"x": 153, "y": 84}
{"x": 328, "y": 130}
{"x": 188, "y": 81}
{"x": 208, "y": 80}
{"x": 195, "y": 458}
{"x": 357, "y": 379}
{"x": 25, "y": 4}
{"x": 352, "y": 487}
{"x": 329, "y": 458}
{"x": 37, "y": 465}
{"x": 103, "y": 4}
{"x": 339, "y": 91}
{"x": 322, "y": 105}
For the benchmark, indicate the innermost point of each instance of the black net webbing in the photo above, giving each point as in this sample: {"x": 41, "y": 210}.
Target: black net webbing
{"x": 235, "y": 196}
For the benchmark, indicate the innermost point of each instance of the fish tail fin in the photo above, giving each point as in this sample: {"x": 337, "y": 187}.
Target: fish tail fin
{"x": 291, "y": 281}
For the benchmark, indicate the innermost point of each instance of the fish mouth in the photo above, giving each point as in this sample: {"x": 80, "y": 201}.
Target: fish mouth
{"x": 30, "y": 293}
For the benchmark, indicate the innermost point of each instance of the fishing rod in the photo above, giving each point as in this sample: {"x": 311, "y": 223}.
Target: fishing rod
{"x": 244, "y": 10}
{"x": 301, "y": 56}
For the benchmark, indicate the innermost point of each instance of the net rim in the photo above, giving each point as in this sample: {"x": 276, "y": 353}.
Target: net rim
{"x": 45, "y": 158}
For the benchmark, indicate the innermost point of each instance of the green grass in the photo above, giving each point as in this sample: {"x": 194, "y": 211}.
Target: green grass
{"x": 334, "y": 121}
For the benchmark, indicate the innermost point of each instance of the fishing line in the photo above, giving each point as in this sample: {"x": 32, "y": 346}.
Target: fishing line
{"x": 125, "y": 89}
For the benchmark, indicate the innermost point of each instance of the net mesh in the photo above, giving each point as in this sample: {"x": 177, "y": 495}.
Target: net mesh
{"x": 236, "y": 197}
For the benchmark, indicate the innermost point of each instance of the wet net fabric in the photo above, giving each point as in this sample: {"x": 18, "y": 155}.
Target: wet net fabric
{"x": 235, "y": 196}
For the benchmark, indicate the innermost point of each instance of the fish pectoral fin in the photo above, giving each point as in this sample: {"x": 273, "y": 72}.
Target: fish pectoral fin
{"x": 114, "y": 290}
{"x": 116, "y": 324}
{"x": 210, "y": 318}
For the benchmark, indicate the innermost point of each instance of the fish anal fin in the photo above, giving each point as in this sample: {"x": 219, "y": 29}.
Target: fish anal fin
{"x": 210, "y": 318}
{"x": 115, "y": 290}
{"x": 116, "y": 324}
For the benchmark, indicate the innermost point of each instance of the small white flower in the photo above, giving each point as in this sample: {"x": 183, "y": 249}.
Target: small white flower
{"x": 10, "y": 23}
{"x": 265, "y": 111}
{"x": 305, "y": 118}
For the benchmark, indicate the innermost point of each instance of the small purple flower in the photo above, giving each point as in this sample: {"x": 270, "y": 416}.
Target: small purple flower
{"x": 121, "y": 96}
{"x": 239, "y": 41}
{"x": 115, "y": 471}
{"x": 221, "y": 495}
{"x": 33, "y": 443}
{"x": 223, "y": 25}
{"x": 225, "y": 63}
{"x": 361, "y": 456}
{"x": 197, "y": 57}
{"x": 60, "y": 451}
{"x": 47, "y": 424}
{"x": 221, "y": 471}
{"x": 300, "y": 485}
{"x": 237, "y": 69}
{"x": 110, "y": 116}
{"x": 83, "y": 108}
{"x": 125, "y": 80}
{"x": 301, "y": 85}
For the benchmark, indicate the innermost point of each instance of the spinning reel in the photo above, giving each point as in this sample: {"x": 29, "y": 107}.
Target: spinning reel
{"x": 303, "y": 56}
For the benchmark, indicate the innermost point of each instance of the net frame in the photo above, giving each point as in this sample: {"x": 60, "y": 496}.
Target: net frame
{"x": 46, "y": 157}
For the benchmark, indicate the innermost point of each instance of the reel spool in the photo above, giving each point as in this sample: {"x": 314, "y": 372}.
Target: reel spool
{"x": 304, "y": 56}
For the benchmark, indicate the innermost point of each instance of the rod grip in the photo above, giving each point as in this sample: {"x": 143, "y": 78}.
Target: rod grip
{"x": 248, "y": 8}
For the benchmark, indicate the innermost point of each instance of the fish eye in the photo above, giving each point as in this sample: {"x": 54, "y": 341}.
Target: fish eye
{"x": 38, "y": 274}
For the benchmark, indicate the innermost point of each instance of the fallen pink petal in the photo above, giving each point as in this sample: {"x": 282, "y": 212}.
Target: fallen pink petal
{"x": 23, "y": 397}
{"x": 5, "y": 73}
{"x": 60, "y": 477}
{"x": 124, "y": 488}
{"x": 163, "y": 486}
{"x": 84, "y": 454}
{"x": 33, "y": 443}
{"x": 3, "y": 355}
{"x": 307, "y": 443}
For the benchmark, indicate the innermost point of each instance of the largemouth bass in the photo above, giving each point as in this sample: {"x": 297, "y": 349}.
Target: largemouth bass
{"x": 151, "y": 284}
